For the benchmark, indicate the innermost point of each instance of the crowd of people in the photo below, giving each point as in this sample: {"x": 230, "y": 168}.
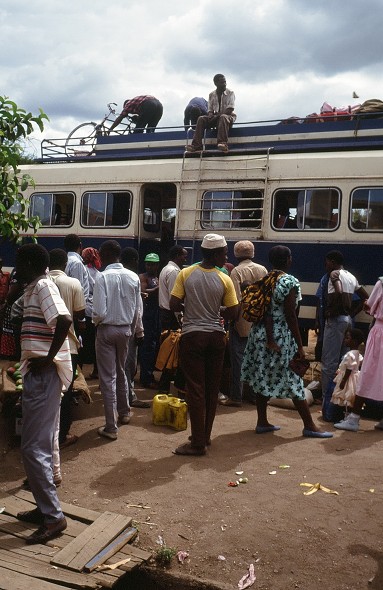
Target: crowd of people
{"x": 145, "y": 111}
{"x": 73, "y": 306}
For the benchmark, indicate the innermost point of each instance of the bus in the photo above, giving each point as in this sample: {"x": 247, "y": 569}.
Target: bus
{"x": 313, "y": 188}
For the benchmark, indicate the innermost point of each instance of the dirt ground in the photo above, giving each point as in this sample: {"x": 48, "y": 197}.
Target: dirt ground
{"x": 294, "y": 541}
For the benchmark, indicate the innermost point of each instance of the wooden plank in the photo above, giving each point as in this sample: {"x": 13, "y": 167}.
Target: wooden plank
{"x": 112, "y": 548}
{"x": 16, "y": 581}
{"x": 44, "y": 571}
{"x": 91, "y": 541}
{"x": 131, "y": 550}
{"x": 11, "y": 525}
{"x": 13, "y": 505}
{"x": 76, "y": 512}
{"x": 44, "y": 554}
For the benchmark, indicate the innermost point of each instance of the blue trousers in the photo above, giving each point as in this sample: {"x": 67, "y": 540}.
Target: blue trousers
{"x": 332, "y": 351}
{"x": 111, "y": 350}
{"x": 40, "y": 407}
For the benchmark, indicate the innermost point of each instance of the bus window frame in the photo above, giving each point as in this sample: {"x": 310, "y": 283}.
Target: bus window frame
{"x": 304, "y": 229}
{"x": 229, "y": 224}
{"x": 53, "y": 194}
{"x": 362, "y": 230}
{"x": 105, "y": 193}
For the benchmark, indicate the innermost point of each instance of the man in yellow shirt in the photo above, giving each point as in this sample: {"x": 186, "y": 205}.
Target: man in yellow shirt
{"x": 207, "y": 297}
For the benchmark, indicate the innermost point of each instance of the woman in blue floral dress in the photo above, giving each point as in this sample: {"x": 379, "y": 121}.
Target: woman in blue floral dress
{"x": 266, "y": 368}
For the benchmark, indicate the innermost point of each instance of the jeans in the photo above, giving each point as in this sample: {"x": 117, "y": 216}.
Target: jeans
{"x": 40, "y": 407}
{"x": 112, "y": 350}
{"x": 333, "y": 336}
{"x": 202, "y": 355}
{"x": 237, "y": 345}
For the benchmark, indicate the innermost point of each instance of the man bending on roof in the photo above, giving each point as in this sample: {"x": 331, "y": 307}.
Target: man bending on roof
{"x": 147, "y": 111}
{"x": 220, "y": 115}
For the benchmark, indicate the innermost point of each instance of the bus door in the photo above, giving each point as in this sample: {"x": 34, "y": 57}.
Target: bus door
{"x": 157, "y": 220}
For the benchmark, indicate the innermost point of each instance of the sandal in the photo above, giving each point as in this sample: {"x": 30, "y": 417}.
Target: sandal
{"x": 71, "y": 439}
{"x": 187, "y": 449}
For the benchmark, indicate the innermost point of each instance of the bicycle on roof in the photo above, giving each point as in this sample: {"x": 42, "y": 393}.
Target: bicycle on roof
{"x": 85, "y": 135}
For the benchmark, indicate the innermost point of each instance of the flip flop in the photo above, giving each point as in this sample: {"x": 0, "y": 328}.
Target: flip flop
{"x": 315, "y": 434}
{"x": 263, "y": 429}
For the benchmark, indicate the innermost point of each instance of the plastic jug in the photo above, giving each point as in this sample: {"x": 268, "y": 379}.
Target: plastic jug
{"x": 169, "y": 411}
{"x": 177, "y": 413}
{"x": 160, "y": 407}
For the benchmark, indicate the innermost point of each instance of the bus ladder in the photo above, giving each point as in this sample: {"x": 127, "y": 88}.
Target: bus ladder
{"x": 205, "y": 172}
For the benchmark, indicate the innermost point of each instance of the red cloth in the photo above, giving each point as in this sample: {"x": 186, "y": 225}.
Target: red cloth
{"x": 91, "y": 257}
{"x": 4, "y": 285}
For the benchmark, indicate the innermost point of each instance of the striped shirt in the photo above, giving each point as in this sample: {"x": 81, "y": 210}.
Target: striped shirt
{"x": 42, "y": 306}
{"x": 132, "y": 105}
{"x": 116, "y": 297}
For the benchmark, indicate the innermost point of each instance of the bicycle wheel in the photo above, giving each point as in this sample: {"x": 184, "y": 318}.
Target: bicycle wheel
{"x": 81, "y": 140}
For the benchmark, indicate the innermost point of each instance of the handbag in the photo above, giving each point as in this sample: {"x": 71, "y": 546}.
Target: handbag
{"x": 299, "y": 366}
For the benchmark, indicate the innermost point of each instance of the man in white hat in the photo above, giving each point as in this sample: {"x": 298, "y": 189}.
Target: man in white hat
{"x": 247, "y": 271}
{"x": 205, "y": 295}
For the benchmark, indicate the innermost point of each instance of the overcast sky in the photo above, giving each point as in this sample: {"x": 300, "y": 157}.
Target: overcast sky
{"x": 281, "y": 57}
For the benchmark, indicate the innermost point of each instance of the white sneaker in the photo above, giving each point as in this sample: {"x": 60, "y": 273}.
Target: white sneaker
{"x": 348, "y": 423}
{"x": 222, "y": 397}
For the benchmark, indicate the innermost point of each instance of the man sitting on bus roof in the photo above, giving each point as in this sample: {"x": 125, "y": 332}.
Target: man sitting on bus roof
{"x": 147, "y": 110}
{"x": 220, "y": 115}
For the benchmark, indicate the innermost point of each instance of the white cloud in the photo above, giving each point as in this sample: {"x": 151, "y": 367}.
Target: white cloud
{"x": 282, "y": 57}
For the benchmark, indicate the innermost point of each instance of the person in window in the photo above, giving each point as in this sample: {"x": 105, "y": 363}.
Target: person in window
{"x": 147, "y": 111}
{"x": 220, "y": 115}
{"x": 196, "y": 107}
{"x": 281, "y": 211}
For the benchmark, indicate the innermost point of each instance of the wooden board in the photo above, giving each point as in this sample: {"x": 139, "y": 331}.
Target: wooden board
{"x": 91, "y": 541}
{"x": 112, "y": 548}
{"x": 77, "y": 512}
{"x": 34, "y": 568}
{"x": 16, "y": 581}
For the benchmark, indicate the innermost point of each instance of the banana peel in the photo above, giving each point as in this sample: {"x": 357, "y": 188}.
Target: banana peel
{"x": 314, "y": 487}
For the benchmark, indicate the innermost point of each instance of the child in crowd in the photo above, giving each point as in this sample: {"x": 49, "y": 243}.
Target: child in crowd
{"x": 371, "y": 374}
{"x": 347, "y": 376}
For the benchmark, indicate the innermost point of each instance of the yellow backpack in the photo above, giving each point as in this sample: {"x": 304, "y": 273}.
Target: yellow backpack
{"x": 256, "y": 298}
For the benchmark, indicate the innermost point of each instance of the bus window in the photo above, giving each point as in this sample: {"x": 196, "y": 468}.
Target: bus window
{"x": 53, "y": 208}
{"x": 152, "y": 210}
{"x": 106, "y": 209}
{"x": 306, "y": 209}
{"x": 367, "y": 209}
{"x": 232, "y": 209}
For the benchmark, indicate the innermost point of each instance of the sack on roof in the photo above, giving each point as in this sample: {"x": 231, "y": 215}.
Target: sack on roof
{"x": 256, "y": 298}
{"x": 373, "y": 105}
